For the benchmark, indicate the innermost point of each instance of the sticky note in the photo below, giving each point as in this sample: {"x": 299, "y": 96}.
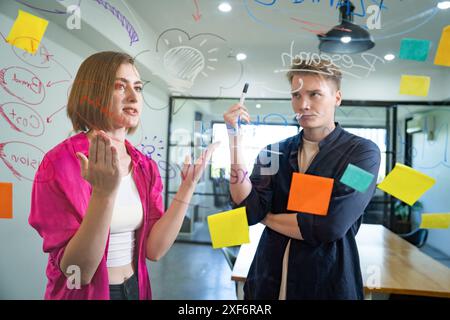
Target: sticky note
{"x": 415, "y": 85}
{"x": 443, "y": 51}
{"x": 6, "y": 200}
{"x": 435, "y": 221}
{"x": 357, "y": 178}
{"x": 310, "y": 194}
{"x": 27, "y": 32}
{"x": 406, "y": 184}
{"x": 229, "y": 228}
{"x": 414, "y": 49}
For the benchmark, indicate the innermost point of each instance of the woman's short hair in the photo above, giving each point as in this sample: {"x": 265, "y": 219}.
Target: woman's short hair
{"x": 89, "y": 105}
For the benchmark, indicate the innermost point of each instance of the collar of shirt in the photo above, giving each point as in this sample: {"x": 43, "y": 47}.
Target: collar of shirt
{"x": 298, "y": 141}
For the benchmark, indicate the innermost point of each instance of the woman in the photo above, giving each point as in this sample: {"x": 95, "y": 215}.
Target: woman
{"x": 98, "y": 205}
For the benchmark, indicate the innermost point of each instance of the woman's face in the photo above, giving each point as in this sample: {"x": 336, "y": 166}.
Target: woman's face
{"x": 126, "y": 102}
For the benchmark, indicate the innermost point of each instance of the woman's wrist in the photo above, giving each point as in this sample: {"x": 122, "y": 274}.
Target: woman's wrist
{"x": 187, "y": 186}
{"x": 102, "y": 194}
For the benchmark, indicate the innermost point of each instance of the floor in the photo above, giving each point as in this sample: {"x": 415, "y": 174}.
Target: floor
{"x": 436, "y": 255}
{"x": 192, "y": 272}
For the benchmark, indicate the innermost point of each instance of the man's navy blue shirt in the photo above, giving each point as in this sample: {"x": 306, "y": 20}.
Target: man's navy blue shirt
{"x": 325, "y": 264}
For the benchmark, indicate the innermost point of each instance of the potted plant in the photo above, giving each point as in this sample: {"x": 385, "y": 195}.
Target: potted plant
{"x": 403, "y": 222}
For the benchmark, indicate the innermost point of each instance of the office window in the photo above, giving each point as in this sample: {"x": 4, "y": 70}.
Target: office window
{"x": 255, "y": 139}
{"x": 378, "y": 136}
{"x": 262, "y": 135}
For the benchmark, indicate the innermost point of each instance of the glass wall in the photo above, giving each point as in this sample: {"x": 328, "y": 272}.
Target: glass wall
{"x": 195, "y": 123}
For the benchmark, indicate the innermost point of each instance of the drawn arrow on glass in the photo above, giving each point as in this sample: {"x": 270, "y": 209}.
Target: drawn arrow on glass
{"x": 50, "y": 83}
{"x": 197, "y": 15}
{"x": 49, "y": 118}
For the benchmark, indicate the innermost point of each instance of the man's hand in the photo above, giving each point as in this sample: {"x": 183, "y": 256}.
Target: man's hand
{"x": 284, "y": 223}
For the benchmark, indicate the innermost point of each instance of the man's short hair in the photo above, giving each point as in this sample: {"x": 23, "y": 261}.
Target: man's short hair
{"x": 322, "y": 68}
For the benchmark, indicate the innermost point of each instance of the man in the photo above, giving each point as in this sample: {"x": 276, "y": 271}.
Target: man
{"x": 302, "y": 255}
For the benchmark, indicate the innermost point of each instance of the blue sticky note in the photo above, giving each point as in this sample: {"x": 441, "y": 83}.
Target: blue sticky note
{"x": 414, "y": 49}
{"x": 357, "y": 178}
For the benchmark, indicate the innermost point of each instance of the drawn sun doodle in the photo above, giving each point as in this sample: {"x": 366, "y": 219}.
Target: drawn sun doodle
{"x": 189, "y": 61}
{"x": 148, "y": 148}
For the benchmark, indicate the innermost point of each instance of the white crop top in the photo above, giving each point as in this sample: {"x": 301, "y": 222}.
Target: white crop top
{"x": 126, "y": 219}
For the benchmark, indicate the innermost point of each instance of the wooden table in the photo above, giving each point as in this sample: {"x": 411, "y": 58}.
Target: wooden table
{"x": 389, "y": 264}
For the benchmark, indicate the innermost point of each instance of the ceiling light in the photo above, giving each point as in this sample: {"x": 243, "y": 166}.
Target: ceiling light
{"x": 225, "y": 7}
{"x": 389, "y": 57}
{"x": 346, "y": 37}
{"x": 241, "y": 56}
{"x": 258, "y": 106}
{"x": 443, "y": 5}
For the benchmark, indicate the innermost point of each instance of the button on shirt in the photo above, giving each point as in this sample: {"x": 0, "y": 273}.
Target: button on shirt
{"x": 305, "y": 156}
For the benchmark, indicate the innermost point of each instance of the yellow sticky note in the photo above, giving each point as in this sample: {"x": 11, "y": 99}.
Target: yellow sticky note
{"x": 415, "y": 85}
{"x": 27, "y": 32}
{"x": 443, "y": 52}
{"x": 229, "y": 228}
{"x": 406, "y": 184}
{"x": 435, "y": 221}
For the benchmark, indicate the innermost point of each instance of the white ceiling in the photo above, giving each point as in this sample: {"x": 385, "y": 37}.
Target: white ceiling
{"x": 265, "y": 32}
{"x": 196, "y": 57}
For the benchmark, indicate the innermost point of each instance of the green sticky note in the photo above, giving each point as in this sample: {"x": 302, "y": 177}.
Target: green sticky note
{"x": 357, "y": 178}
{"x": 414, "y": 49}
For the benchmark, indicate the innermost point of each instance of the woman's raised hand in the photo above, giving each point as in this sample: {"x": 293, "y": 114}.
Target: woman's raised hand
{"x": 192, "y": 172}
{"x": 101, "y": 170}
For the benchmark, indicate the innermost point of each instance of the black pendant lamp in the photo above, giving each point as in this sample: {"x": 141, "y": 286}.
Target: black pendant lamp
{"x": 346, "y": 37}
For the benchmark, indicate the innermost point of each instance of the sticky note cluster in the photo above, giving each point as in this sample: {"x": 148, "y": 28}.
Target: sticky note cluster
{"x": 229, "y": 228}
{"x": 418, "y": 50}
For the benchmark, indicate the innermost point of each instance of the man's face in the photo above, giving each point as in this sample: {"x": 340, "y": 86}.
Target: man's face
{"x": 315, "y": 99}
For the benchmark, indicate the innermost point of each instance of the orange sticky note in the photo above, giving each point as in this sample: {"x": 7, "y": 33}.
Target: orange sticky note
{"x": 6, "y": 209}
{"x": 443, "y": 52}
{"x": 310, "y": 194}
{"x": 27, "y": 32}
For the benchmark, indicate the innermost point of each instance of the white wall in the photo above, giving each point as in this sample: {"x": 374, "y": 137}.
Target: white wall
{"x": 433, "y": 159}
{"x": 446, "y": 85}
